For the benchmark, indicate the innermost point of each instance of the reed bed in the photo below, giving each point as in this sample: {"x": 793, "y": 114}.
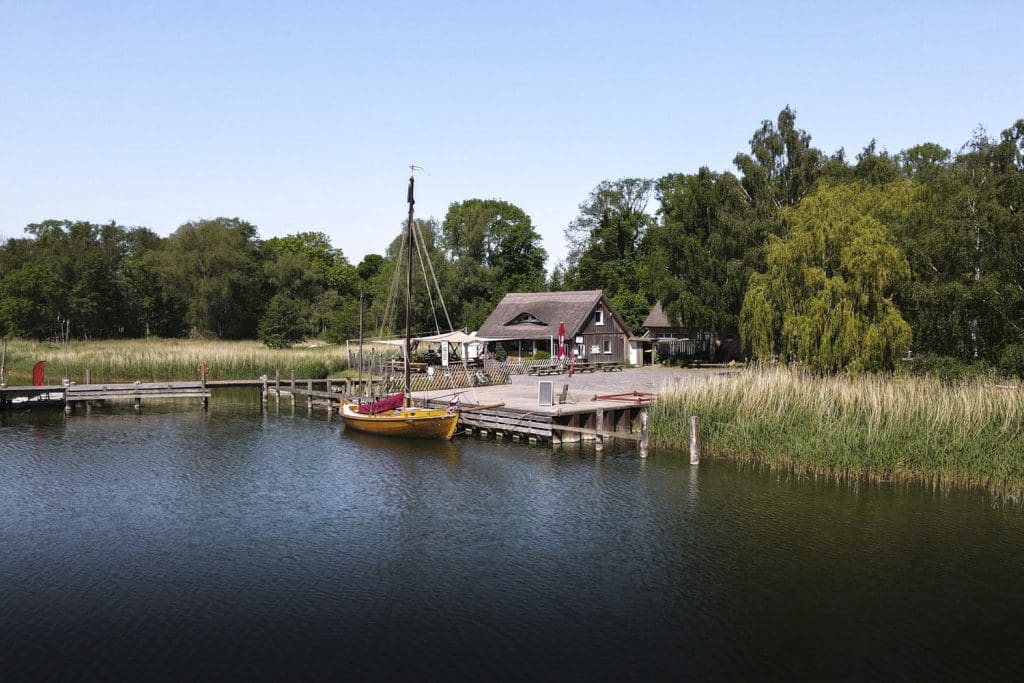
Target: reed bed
{"x": 875, "y": 428}
{"x": 169, "y": 359}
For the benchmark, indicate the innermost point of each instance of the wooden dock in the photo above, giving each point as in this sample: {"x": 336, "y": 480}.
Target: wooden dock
{"x": 70, "y": 395}
{"x": 594, "y": 407}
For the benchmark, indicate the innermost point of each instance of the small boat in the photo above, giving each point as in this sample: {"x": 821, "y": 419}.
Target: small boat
{"x": 396, "y": 415}
{"x": 406, "y": 421}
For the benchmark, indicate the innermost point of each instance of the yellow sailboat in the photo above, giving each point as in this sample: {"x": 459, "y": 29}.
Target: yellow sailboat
{"x": 396, "y": 415}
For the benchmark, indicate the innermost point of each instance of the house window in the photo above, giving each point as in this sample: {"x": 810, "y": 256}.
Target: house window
{"x": 599, "y": 317}
{"x": 607, "y": 345}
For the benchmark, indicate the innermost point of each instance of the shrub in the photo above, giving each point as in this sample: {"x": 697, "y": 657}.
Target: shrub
{"x": 282, "y": 325}
{"x": 541, "y": 355}
{"x": 1011, "y": 361}
{"x": 947, "y": 368}
{"x": 500, "y": 354}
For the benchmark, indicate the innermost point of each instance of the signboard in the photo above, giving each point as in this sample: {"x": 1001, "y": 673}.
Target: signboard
{"x": 545, "y": 393}
{"x": 444, "y": 354}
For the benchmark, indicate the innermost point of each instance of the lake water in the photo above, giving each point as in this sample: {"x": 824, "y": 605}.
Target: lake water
{"x": 176, "y": 544}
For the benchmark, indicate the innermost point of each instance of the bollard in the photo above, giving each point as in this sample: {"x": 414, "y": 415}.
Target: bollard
{"x": 694, "y": 441}
{"x": 599, "y": 444}
{"x": 644, "y": 436}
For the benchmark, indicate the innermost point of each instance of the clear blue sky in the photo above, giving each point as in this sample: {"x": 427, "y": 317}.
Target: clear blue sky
{"x": 305, "y": 115}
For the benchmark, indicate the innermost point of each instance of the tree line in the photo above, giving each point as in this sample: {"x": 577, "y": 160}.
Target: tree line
{"x": 838, "y": 263}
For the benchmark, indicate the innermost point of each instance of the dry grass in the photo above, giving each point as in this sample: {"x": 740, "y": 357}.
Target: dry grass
{"x": 169, "y": 359}
{"x": 879, "y": 428}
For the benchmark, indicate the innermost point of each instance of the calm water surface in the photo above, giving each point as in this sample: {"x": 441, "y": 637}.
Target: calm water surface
{"x": 178, "y": 545}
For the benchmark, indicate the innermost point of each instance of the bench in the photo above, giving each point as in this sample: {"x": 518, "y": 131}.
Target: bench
{"x": 610, "y": 367}
{"x": 544, "y": 370}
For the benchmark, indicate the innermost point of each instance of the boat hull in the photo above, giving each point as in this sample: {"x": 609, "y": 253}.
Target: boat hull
{"x": 408, "y": 423}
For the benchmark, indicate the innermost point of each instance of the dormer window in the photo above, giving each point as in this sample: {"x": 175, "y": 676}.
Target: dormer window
{"x": 526, "y": 318}
{"x": 599, "y": 317}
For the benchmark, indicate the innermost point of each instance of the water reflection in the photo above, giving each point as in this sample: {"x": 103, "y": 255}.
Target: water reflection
{"x": 251, "y": 543}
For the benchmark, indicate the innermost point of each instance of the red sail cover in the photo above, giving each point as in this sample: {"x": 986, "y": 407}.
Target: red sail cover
{"x": 389, "y": 403}
{"x": 39, "y": 373}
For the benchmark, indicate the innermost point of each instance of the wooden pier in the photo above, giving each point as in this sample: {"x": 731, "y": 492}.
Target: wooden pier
{"x": 70, "y": 395}
{"x": 570, "y": 409}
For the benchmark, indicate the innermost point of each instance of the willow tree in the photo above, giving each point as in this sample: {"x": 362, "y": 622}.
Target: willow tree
{"x": 825, "y": 298}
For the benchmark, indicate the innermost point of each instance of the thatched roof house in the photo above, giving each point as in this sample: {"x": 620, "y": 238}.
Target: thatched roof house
{"x": 527, "y": 322}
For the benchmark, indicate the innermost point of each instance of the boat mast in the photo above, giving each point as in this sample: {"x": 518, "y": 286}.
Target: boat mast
{"x": 408, "y": 288}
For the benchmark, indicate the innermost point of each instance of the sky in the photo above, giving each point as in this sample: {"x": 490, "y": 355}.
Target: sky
{"x": 305, "y": 115}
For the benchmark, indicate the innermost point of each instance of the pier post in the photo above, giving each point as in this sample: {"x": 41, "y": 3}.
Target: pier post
{"x": 694, "y": 441}
{"x": 264, "y": 399}
{"x": 293, "y": 378}
{"x": 599, "y": 444}
{"x": 203, "y": 369}
{"x": 88, "y": 376}
{"x": 277, "y": 378}
{"x": 309, "y": 397}
{"x": 644, "y": 436}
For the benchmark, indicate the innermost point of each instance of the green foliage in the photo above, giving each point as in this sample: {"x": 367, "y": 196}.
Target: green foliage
{"x": 825, "y": 298}
{"x": 541, "y": 355}
{"x": 1011, "y": 360}
{"x": 282, "y": 324}
{"x": 634, "y": 308}
{"x": 494, "y": 249}
{"x": 702, "y": 254}
{"x": 948, "y": 369}
{"x": 343, "y": 322}
{"x": 500, "y": 353}
{"x": 214, "y": 266}
{"x": 607, "y": 239}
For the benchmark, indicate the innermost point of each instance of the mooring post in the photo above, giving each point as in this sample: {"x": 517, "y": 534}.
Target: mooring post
{"x": 644, "y": 436}
{"x": 88, "y": 376}
{"x": 293, "y": 378}
{"x": 263, "y": 393}
{"x": 694, "y": 441}
{"x": 599, "y": 445}
{"x": 203, "y": 369}
{"x": 277, "y": 378}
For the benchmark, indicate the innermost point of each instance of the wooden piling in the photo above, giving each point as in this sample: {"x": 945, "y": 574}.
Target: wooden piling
{"x": 694, "y": 441}
{"x": 599, "y": 440}
{"x": 203, "y": 369}
{"x": 644, "y": 435}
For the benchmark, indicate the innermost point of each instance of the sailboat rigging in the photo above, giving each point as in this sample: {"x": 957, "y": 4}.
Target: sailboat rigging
{"x": 396, "y": 415}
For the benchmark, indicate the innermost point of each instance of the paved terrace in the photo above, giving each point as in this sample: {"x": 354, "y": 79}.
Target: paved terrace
{"x": 521, "y": 394}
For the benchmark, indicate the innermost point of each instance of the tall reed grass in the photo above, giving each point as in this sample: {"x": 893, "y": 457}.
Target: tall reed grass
{"x": 878, "y": 428}
{"x": 169, "y": 359}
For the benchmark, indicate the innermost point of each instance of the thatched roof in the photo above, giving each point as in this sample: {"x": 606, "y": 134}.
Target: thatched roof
{"x": 536, "y": 315}
{"x": 658, "y": 319}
